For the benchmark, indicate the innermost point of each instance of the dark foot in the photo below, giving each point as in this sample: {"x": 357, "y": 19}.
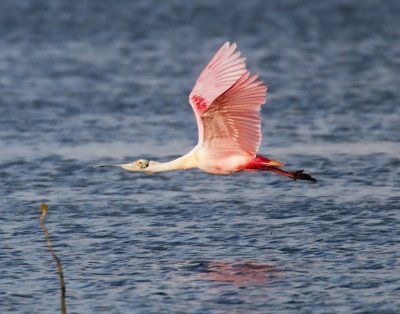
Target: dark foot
{"x": 300, "y": 175}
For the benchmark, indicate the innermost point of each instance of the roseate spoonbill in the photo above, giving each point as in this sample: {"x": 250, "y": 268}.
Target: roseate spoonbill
{"x": 226, "y": 101}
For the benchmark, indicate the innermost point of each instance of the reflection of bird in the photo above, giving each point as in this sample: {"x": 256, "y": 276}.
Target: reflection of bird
{"x": 240, "y": 273}
{"x": 226, "y": 101}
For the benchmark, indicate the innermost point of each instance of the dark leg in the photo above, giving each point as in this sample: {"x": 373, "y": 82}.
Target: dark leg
{"x": 294, "y": 175}
{"x": 300, "y": 175}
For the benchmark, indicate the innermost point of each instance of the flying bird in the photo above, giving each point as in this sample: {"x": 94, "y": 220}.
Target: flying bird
{"x": 226, "y": 101}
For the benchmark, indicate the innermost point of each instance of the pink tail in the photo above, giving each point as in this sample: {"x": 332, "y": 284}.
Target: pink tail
{"x": 259, "y": 162}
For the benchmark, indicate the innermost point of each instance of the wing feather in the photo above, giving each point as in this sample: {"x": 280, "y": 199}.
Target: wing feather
{"x": 224, "y": 69}
{"x": 227, "y": 100}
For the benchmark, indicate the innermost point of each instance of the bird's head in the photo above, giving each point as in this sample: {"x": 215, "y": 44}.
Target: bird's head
{"x": 138, "y": 165}
{"x": 141, "y": 163}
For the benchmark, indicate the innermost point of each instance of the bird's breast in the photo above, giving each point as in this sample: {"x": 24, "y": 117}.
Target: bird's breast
{"x": 217, "y": 164}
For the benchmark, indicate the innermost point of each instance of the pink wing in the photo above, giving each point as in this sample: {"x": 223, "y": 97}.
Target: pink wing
{"x": 223, "y": 70}
{"x": 227, "y": 103}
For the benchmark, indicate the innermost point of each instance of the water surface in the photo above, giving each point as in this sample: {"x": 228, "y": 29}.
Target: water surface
{"x": 88, "y": 82}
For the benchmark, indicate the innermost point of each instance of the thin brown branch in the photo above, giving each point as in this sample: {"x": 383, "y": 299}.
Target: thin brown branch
{"x": 57, "y": 260}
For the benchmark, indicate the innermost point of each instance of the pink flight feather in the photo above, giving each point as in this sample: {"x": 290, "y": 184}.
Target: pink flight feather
{"x": 226, "y": 100}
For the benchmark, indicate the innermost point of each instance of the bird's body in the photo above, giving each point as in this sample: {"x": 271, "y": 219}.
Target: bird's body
{"x": 226, "y": 100}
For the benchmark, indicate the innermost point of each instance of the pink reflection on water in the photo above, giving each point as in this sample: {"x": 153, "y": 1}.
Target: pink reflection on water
{"x": 240, "y": 273}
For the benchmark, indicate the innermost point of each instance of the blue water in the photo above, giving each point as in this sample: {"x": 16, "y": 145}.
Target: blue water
{"x": 88, "y": 82}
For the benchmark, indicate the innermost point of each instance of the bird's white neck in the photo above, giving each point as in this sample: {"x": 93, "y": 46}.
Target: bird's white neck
{"x": 187, "y": 161}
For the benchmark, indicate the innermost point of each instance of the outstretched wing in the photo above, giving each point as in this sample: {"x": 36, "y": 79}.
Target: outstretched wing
{"x": 223, "y": 70}
{"x": 227, "y": 106}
